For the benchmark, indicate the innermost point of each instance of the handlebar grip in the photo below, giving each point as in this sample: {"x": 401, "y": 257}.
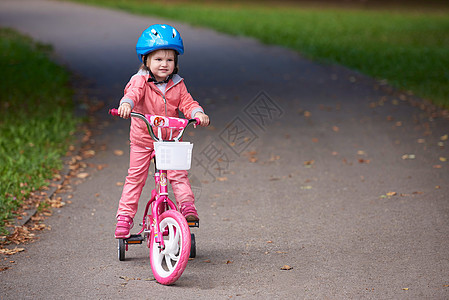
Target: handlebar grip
{"x": 114, "y": 112}
{"x": 198, "y": 122}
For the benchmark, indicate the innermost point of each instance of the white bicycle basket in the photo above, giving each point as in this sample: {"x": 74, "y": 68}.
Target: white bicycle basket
{"x": 173, "y": 155}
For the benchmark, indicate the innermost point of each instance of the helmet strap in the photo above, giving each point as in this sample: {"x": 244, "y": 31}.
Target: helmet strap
{"x": 152, "y": 79}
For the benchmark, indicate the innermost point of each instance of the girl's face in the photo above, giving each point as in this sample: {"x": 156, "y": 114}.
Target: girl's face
{"x": 161, "y": 63}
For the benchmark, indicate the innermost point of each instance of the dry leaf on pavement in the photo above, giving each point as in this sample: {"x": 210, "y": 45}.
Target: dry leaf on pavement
{"x": 118, "y": 152}
{"x": 11, "y": 251}
{"x": 408, "y": 156}
{"x": 82, "y": 175}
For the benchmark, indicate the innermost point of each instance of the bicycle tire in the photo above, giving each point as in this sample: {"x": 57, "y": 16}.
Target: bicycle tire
{"x": 121, "y": 249}
{"x": 169, "y": 264}
{"x": 192, "y": 246}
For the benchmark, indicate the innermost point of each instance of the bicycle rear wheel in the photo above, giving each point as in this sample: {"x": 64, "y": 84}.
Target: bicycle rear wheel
{"x": 168, "y": 264}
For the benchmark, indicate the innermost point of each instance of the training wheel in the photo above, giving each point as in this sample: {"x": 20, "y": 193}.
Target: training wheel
{"x": 121, "y": 249}
{"x": 192, "y": 246}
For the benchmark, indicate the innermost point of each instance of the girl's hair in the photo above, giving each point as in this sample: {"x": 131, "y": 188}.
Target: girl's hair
{"x": 144, "y": 67}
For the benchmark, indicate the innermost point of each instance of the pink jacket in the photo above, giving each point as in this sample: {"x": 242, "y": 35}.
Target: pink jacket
{"x": 146, "y": 98}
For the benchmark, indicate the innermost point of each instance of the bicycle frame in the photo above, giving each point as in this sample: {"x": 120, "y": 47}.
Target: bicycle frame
{"x": 159, "y": 201}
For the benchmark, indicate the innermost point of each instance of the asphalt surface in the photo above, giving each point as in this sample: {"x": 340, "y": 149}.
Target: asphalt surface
{"x": 311, "y": 166}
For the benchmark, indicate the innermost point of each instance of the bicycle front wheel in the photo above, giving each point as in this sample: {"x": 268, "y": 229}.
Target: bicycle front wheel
{"x": 168, "y": 264}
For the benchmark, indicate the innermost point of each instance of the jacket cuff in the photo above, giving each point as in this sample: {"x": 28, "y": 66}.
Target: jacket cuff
{"x": 199, "y": 109}
{"x": 129, "y": 101}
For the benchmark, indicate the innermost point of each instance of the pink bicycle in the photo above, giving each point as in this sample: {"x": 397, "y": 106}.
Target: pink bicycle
{"x": 164, "y": 228}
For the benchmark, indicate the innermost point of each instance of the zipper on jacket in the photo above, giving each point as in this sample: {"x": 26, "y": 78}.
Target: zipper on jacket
{"x": 165, "y": 102}
{"x": 166, "y": 90}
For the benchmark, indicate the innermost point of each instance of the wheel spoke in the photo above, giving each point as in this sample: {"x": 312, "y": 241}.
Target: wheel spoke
{"x": 170, "y": 264}
{"x": 172, "y": 243}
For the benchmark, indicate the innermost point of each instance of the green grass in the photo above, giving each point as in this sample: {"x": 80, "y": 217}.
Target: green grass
{"x": 408, "y": 48}
{"x": 36, "y": 119}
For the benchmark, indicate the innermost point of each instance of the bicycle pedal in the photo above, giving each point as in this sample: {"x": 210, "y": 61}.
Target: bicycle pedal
{"x": 193, "y": 223}
{"x": 134, "y": 239}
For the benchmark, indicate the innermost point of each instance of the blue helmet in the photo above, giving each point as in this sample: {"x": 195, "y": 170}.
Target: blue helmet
{"x": 159, "y": 36}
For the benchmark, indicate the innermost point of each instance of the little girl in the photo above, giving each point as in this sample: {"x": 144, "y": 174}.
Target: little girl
{"x": 155, "y": 89}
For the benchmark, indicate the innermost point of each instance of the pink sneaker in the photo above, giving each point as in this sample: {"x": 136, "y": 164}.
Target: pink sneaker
{"x": 124, "y": 224}
{"x": 188, "y": 210}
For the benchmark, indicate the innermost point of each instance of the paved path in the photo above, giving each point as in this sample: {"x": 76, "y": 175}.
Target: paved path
{"x": 315, "y": 150}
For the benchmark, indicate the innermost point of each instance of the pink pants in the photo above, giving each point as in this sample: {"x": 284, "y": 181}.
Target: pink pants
{"x": 139, "y": 163}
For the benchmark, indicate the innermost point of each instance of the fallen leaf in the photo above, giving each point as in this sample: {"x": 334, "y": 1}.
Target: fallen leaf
{"x": 222, "y": 178}
{"x": 228, "y": 262}
{"x": 347, "y": 162}
{"x": 405, "y": 289}
{"x": 82, "y": 175}
{"x": 101, "y": 167}
{"x": 119, "y": 183}
{"x": 307, "y": 114}
{"x": 408, "y": 156}
{"x": 437, "y": 166}
{"x": 335, "y": 128}
{"x": 444, "y": 137}
{"x": 253, "y": 159}
{"x": 11, "y": 251}
{"x": 309, "y": 162}
{"x": 443, "y": 159}
{"x": 361, "y": 152}
{"x": 126, "y": 278}
{"x": 274, "y": 157}
{"x": 88, "y": 153}
{"x": 286, "y": 267}
{"x": 306, "y": 187}
{"x": 390, "y": 194}
{"x": 118, "y": 152}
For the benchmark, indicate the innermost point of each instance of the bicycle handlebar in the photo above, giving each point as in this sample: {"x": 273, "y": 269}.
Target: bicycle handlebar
{"x": 161, "y": 122}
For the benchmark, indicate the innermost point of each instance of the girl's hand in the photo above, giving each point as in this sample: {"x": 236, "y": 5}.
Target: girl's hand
{"x": 204, "y": 119}
{"x": 124, "y": 110}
